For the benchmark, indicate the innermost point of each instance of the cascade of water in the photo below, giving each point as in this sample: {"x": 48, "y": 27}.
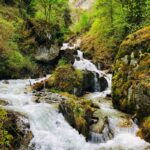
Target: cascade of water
{"x": 43, "y": 118}
{"x": 96, "y": 83}
{"x": 84, "y": 64}
{"x": 48, "y": 135}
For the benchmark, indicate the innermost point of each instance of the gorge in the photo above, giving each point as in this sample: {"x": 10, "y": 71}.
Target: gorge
{"x": 74, "y": 75}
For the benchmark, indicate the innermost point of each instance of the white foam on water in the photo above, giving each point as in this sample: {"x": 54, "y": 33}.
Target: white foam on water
{"x": 50, "y": 130}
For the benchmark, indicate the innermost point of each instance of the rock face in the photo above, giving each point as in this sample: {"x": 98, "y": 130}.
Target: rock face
{"x": 46, "y": 55}
{"x": 68, "y": 55}
{"x": 78, "y": 112}
{"x": 131, "y": 80}
{"x": 82, "y": 4}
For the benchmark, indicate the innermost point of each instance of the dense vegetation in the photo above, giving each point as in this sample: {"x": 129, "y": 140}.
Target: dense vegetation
{"x": 25, "y": 27}
{"x": 107, "y": 23}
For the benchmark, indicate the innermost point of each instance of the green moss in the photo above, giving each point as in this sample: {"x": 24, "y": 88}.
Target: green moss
{"x": 135, "y": 42}
{"x": 5, "y": 137}
{"x": 62, "y": 62}
{"x": 66, "y": 78}
{"x": 78, "y": 112}
{"x": 146, "y": 129}
{"x": 13, "y": 63}
{"x": 96, "y": 48}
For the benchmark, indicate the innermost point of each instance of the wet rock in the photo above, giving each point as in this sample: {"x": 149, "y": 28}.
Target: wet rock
{"x": 18, "y": 126}
{"x": 48, "y": 97}
{"x": 39, "y": 85}
{"x": 103, "y": 84}
{"x": 78, "y": 112}
{"x": 68, "y": 54}
{"x": 88, "y": 81}
{"x": 3, "y": 102}
{"x": 6, "y": 82}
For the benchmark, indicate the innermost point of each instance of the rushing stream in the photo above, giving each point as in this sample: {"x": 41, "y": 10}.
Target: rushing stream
{"x": 43, "y": 118}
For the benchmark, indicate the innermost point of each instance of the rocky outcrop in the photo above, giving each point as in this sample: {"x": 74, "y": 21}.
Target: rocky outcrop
{"x": 68, "y": 55}
{"x": 78, "y": 112}
{"x": 44, "y": 54}
{"x": 82, "y": 4}
{"x": 131, "y": 84}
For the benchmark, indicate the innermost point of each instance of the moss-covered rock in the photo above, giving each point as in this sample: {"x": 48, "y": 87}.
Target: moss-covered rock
{"x": 78, "y": 112}
{"x": 67, "y": 79}
{"x": 144, "y": 131}
{"x": 131, "y": 84}
{"x": 14, "y": 133}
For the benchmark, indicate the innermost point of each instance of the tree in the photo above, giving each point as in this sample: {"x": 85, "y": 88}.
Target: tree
{"x": 135, "y": 13}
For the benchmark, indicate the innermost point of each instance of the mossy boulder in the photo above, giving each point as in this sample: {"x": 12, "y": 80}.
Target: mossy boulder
{"x": 38, "y": 40}
{"x": 131, "y": 84}
{"x": 78, "y": 112}
{"x": 67, "y": 79}
{"x": 14, "y": 133}
{"x": 146, "y": 129}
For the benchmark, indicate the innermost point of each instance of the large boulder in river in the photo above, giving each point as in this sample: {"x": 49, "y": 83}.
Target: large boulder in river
{"x": 88, "y": 81}
{"x": 66, "y": 79}
{"x": 78, "y": 112}
{"x": 131, "y": 79}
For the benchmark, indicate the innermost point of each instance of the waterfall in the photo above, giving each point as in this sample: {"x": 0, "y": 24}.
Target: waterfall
{"x": 96, "y": 83}
{"x": 84, "y": 64}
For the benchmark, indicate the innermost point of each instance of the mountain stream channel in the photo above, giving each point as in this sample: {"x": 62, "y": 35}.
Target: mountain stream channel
{"x": 42, "y": 117}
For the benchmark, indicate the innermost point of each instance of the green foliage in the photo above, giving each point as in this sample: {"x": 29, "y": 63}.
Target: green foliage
{"x": 5, "y": 137}
{"x": 13, "y": 64}
{"x": 62, "y": 62}
{"x": 83, "y": 24}
{"x": 109, "y": 21}
{"x": 27, "y": 7}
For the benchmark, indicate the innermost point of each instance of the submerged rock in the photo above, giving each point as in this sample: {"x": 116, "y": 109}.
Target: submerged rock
{"x": 3, "y": 102}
